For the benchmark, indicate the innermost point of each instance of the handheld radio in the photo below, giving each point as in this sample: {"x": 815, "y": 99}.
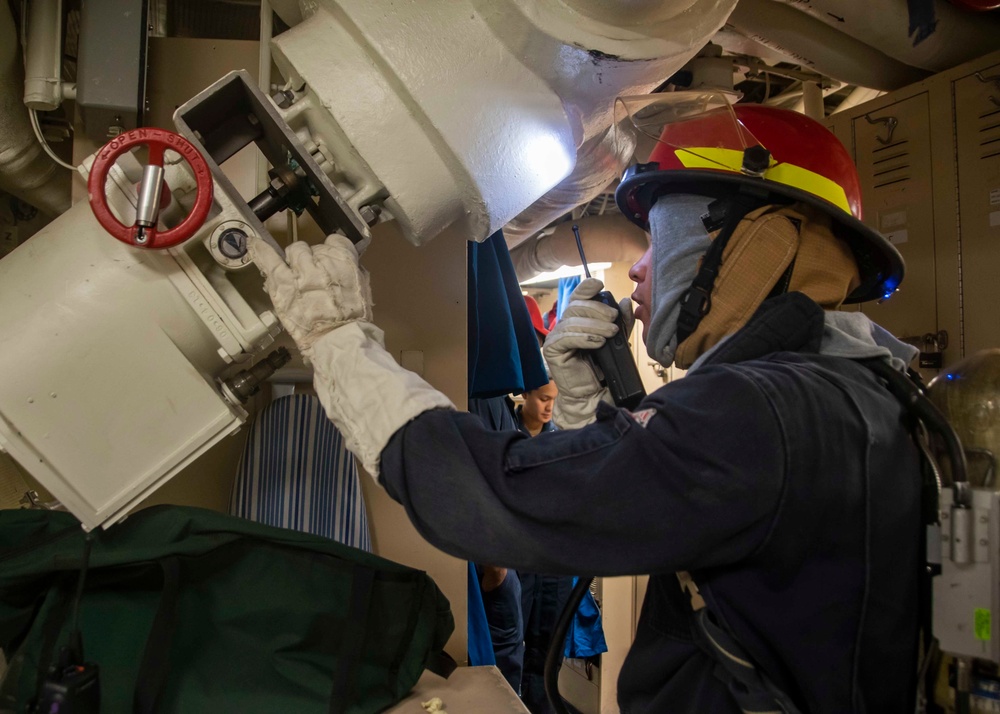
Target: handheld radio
{"x": 614, "y": 360}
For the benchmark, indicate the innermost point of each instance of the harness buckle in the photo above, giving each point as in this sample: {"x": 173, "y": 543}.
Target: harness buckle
{"x": 693, "y": 308}
{"x": 689, "y": 586}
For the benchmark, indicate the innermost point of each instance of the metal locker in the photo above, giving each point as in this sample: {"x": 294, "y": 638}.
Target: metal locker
{"x": 893, "y": 154}
{"x": 977, "y": 127}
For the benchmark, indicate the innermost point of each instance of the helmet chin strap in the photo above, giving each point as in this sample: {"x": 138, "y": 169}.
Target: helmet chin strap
{"x": 696, "y": 302}
{"x": 725, "y": 214}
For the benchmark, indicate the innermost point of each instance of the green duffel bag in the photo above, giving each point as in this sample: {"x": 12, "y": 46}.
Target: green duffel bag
{"x": 186, "y": 611}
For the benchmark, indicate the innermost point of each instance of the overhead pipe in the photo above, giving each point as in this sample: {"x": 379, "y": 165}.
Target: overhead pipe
{"x": 814, "y": 44}
{"x": 25, "y": 170}
{"x": 608, "y": 238}
{"x": 956, "y": 36}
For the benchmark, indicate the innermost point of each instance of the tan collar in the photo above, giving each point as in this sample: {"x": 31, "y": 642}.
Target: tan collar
{"x": 761, "y": 249}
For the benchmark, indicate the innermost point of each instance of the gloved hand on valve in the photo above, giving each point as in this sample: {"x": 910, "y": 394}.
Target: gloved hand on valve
{"x": 322, "y": 296}
{"x": 584, "y": 326}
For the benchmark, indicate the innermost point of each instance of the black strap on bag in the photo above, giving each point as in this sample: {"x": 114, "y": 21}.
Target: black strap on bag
{"x": 58, "y": 603}
{"x": 442, "y": 664}
{"x": 352, "y": 641}
{"x": 155, "y": 664}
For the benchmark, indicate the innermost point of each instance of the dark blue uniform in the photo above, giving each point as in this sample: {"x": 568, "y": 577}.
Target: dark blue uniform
{"x": 543, "y": 597}
{"x": 784, "y": 480}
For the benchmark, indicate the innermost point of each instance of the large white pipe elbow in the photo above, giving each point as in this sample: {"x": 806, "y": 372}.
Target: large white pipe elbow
{"x": 460, "y": 114}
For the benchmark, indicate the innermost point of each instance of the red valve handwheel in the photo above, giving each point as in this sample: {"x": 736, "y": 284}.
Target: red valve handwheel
{"x": 158, "y": 140}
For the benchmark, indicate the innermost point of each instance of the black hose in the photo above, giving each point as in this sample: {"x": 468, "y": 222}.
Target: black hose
{"x": 910, "y": 395}
{"x": 76, "y": 638}
{"x": 554, "y": 657}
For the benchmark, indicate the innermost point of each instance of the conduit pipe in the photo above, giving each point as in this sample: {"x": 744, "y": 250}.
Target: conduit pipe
{"x": 813, "y": 43}
{"x": 25, "y": 170}
{"x": 812, "y": 101}
{"x": 608, "y": 238}
{"x": 483, "y": 106}
{"x": 43, "y": 56}
{"x": 958, "y": 36}
{"x": 797, "y": 94}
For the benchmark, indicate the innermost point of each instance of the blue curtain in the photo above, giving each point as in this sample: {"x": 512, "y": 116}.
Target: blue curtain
{"x": 504, "y": 356}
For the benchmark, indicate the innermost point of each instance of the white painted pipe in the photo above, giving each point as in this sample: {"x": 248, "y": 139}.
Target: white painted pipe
{"x": 812, "y": 101}
{"x": 814, "y": 44}
{"x": 43, "y": 56}
{"x": 608, "y": 238}
{"x": 25, "y": 170}
{"x": 958, "y": 35}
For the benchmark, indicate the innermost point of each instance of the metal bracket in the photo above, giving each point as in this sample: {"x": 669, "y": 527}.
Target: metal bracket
{"x": 233, "y": 113}
{"x": 890, "y": 124}
{"x": 938, "y": 340}
{"x": 31, "y": 499}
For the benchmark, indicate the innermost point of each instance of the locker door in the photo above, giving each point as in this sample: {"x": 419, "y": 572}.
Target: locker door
{"x": 893, "y": 154}
{"x": 977, "y": 124}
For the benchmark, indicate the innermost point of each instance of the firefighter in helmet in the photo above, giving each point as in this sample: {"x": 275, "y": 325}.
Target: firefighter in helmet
{"x": 772, "y": 494}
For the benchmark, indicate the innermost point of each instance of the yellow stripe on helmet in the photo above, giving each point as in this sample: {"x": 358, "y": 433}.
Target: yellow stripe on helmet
{"x": 731, "y": 160}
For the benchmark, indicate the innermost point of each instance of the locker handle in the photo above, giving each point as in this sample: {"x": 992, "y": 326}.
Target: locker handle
{"x": 890, "y": 124}
{"x": 995, "y": 79}
{"x": 986, "y": 80}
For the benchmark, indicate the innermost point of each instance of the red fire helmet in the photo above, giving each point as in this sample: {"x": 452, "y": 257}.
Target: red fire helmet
{"x": 717, "y": 151}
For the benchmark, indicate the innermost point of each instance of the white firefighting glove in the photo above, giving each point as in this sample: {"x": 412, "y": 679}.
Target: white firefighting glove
{"x": 584, "y": 325}
{"x": 315, "y": 289}
{"x": 321, "y": 296}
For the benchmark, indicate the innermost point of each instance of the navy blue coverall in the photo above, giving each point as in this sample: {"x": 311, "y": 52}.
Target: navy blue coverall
{"x": 784, "y": 480}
